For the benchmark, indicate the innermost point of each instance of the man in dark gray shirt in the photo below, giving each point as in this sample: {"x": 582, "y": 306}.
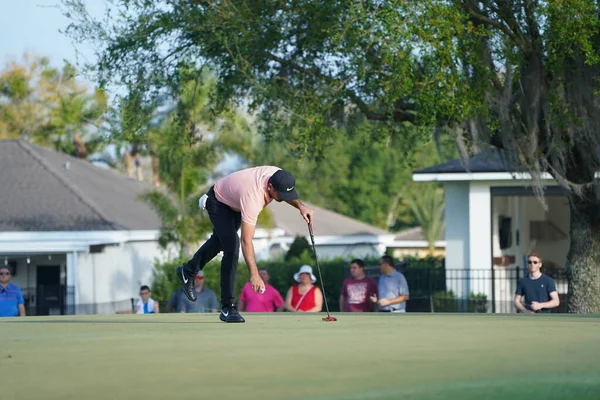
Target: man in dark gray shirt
{"x": 393, "y": 288}
{"x": 206, "y": 298}
{"x": 539, "y": 289}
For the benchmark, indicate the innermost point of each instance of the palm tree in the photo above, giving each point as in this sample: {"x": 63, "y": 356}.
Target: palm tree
{"x": 188, "y": 144}
{"x": 426, "y": 204}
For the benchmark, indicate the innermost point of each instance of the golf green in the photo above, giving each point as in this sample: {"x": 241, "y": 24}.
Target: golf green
{"x": 298, "y": 356}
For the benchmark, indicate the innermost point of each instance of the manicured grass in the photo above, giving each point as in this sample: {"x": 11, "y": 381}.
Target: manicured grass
{"x": 290, "y": 356}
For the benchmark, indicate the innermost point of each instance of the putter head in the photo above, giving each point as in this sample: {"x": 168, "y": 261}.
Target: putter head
{"x": 329, "y": 318}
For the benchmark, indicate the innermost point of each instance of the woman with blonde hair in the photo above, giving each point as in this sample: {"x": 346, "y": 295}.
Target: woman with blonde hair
{"x": 304, "y": 296}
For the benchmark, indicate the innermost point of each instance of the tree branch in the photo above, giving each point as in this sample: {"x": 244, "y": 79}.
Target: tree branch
{"x": 403, "y": 111}
{"x": 469, "y": 7}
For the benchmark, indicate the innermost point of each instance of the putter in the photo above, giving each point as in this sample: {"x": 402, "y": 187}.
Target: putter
{"x": 328, "y": 318}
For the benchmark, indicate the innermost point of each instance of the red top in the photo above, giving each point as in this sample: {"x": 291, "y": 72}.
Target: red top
{"x": 307, "y": 303}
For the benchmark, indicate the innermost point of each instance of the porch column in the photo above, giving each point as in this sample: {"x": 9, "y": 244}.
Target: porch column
{"x": 480, "y": 240}
{"x": 456, "y": 195}
{"x": 72, "y": 289}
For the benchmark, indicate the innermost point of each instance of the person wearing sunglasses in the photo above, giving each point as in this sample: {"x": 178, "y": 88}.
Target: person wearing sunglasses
{"x": 12, "y": 303}
{"x": 538, "y": 289}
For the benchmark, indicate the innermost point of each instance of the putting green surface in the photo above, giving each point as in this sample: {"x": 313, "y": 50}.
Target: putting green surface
{"x": 291, "y": 356}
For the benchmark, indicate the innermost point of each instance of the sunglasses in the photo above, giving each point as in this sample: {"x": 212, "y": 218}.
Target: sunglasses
{"x": 144, "y": 293}
{"x": 4, "y": 273}
{"x": 533, "y": 262}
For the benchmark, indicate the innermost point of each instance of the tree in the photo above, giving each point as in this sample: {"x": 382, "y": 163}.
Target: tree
{"x": 47, "y": 106}
{"x": 426, "y": 204}
{"x": 189, "y": 142}
{"x": 520, "y": 75}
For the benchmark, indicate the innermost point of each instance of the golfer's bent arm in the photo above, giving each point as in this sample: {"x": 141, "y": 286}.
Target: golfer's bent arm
{"x": 248, "y": 247}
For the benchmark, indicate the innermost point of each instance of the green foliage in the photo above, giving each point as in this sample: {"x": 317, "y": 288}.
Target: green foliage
{"x": 49, "y": 107}
{"x": 300, "y": 248}
{"x": 444, "y": 302}
{"x": 426, "y": 204}
{"x": 477, "y": 303}
{"x": 189, "y": 143}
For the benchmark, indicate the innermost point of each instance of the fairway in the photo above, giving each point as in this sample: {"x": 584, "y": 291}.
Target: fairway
{"x": 292, "y": 356}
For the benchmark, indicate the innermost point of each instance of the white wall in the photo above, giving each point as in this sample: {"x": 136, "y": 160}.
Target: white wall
{"x": 114, "y": 276}
{"x": 456, "y": 197}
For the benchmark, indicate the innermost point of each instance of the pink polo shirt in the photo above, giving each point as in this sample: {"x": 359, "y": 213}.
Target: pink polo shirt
{"x": 245, "y": 191}
{"x": 256, "y": 302}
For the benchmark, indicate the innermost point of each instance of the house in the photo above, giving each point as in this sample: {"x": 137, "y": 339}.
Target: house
{"x": 335, "y": 234}
{"x": 78, "y": 240}
{"x": 493, "y": 220}
{"x": 74, "y": 234}
{"x": 412, "y": 242}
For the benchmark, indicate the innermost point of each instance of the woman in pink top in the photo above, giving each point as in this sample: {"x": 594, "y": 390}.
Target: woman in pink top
{"x": 268, "y": 301}
{"x": 233, "y": 202}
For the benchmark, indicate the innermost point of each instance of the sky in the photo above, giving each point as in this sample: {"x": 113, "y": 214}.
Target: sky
{"x": 33, "y": 26}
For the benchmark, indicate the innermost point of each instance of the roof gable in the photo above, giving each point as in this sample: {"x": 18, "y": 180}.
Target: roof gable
{"x": 43, "y": 190}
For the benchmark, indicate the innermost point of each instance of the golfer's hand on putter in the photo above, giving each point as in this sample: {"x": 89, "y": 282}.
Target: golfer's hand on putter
{"x": 257, "y": 283}
{"x": 307, "y": 214}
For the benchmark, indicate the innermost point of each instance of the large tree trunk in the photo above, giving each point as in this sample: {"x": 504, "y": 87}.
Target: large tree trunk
{"x": 583, "y": 259}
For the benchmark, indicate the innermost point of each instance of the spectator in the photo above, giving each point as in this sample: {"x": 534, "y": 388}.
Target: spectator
{"x": 146, "y": 304}
{"x": 304, "y": 297}
{"x": 12, "y": 303}
{"x": 206, "y": 299}
{"x": 538, "y": 288}
{"x": 268, "y": 301}
{"x": 393, "y": 288}
{"x": 172, "y": 304}
{"x": 357, "y": 289}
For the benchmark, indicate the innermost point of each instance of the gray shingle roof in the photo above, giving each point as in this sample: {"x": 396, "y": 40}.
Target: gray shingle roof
{"x": 493, "y": 160}
{"x": 39, "y": 193}
{"x": 415, "y": 234}
{"x": 326, "y": 222}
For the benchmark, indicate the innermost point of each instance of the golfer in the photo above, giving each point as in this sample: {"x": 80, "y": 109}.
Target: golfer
{"x": 234, "y": 201}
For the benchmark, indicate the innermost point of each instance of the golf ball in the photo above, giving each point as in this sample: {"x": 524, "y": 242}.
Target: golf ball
{"x": 261, "y": 290}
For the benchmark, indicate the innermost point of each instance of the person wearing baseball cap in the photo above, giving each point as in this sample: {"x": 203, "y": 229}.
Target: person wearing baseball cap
{"x": 234, "y": 202}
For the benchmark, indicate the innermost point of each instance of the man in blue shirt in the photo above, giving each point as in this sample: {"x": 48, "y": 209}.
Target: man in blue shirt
{"x": 393, "y": 288}
{"x": 539, "y": 289}
{"x": 11, "y": 298}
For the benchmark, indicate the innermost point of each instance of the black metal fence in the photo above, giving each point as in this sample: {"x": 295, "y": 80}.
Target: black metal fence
{"x": 438, "y": 289}
{"x": 60, "y": 300}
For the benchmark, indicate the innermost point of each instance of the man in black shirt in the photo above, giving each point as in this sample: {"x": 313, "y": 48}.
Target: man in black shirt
{"x": 539, "y": 289}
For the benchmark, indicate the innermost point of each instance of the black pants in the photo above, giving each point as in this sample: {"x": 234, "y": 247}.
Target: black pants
{"x": 226, "y": 222}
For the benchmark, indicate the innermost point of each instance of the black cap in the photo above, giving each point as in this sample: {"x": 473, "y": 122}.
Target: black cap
{"x": 284, "y": 183}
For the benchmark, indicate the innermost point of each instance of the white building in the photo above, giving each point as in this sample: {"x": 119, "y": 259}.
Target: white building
{"x": 73, "y": 233}
{"x": 493, "y": 220}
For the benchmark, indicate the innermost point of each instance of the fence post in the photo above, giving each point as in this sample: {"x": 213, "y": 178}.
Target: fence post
{"x": 493, "y": 289}
{"x": 430, "y": 289}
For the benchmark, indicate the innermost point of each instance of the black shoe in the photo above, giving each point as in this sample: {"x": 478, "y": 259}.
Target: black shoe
{"x": 188, "y": 282}
{"x": 230, "y": 314}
